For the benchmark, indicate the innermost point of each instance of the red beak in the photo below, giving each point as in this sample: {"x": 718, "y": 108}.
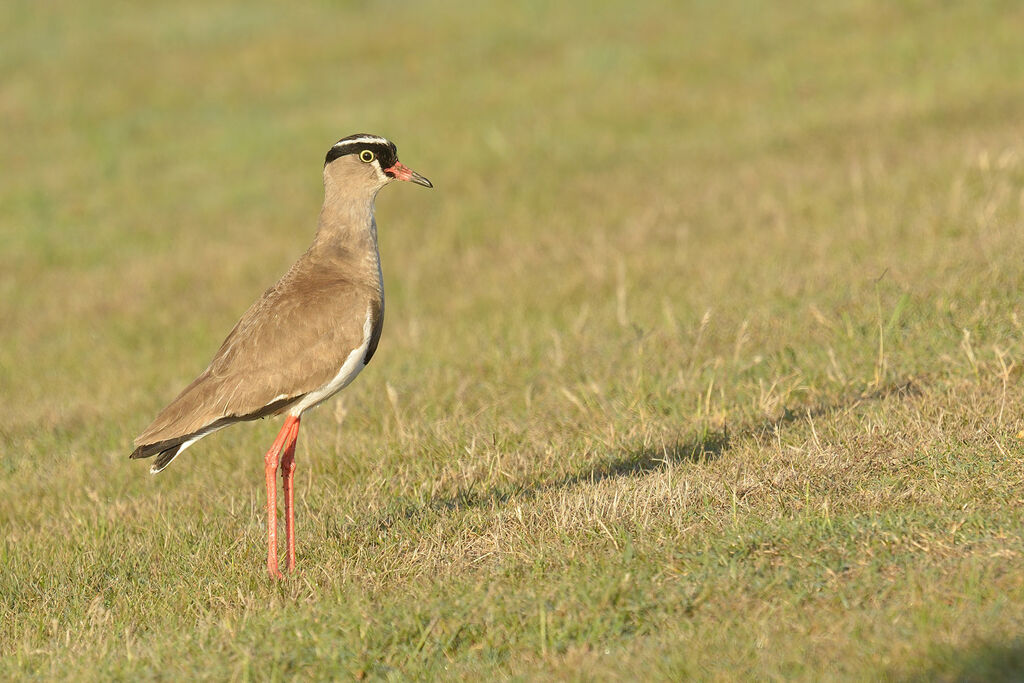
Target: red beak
{"x": 405, "y": 173}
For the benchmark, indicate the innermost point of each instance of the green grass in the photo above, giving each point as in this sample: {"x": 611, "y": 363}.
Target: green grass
{"x": 703, "y": 359}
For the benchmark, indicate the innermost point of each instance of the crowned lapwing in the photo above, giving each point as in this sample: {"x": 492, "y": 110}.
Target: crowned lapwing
{"x": 304, "y": 340}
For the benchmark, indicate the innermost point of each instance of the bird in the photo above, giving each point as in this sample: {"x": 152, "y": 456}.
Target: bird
{"x": 304, "y": 340}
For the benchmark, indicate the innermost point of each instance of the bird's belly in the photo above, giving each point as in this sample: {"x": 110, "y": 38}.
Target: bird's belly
{"x": 352, "y": 366}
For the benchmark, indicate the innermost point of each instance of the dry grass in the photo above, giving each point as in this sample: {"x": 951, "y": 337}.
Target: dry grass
{"x": 703, "y": 359}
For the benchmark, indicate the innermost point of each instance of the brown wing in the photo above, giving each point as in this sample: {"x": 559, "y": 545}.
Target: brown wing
{"x": 290, "y": 342}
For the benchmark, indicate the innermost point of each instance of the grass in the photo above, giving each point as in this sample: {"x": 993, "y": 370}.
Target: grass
{"x": 702, "y": 360}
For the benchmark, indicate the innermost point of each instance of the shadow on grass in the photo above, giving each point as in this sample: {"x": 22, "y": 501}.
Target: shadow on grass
{"x": 982, "y": 662}
{"x": 712, "y": 444}
{"x": 705, "y": 447}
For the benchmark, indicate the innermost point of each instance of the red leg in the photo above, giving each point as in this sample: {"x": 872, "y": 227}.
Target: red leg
{"x": 287, "y": 472}
{"x": 270, "y": 470}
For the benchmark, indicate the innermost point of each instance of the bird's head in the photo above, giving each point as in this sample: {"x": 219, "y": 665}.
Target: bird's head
{"x": 367, "y": 160}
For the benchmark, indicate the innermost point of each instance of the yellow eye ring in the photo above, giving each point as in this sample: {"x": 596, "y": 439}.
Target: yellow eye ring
{"x": 366, "y": 155}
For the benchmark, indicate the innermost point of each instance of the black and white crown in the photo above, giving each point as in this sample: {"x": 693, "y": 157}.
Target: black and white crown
{"x": 383, "y": 149}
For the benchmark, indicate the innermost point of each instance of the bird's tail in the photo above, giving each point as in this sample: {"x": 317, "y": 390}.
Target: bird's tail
{"x": 164, "y": 458}
{"x": 166, "y": 451}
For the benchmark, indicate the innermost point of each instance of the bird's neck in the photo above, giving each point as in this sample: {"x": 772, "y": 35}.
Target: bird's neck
{"x": 347, "y": 231}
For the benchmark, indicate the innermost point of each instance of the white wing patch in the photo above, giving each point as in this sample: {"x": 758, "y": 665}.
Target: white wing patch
{"x": 352, "y": 366}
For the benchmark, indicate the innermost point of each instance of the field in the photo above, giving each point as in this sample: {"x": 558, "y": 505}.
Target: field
{"x": 703, "y": 359}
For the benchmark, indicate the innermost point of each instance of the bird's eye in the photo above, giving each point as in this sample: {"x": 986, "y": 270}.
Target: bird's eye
{"x": 366, "y": 155}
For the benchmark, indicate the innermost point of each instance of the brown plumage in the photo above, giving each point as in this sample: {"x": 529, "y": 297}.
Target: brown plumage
{"x": 308, "y": 336}
{"x": 289, "y": 343}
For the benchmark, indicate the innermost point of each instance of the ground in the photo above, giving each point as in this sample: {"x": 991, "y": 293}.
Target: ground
{"x": 702, "y": 359}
